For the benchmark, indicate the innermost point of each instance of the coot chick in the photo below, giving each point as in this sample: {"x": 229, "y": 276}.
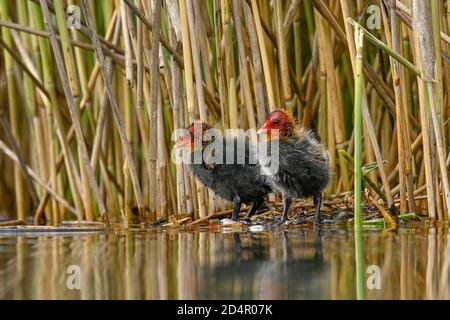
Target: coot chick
{"x": 238, "y": 179}
{"x": 302, "y": 161}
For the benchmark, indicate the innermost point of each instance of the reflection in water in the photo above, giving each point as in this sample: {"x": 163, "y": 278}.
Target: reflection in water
{"x": 208, "y": 264}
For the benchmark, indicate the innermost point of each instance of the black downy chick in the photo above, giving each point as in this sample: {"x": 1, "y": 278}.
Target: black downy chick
{"x": 303, "y": 161}
{"x": 238, "y": 179}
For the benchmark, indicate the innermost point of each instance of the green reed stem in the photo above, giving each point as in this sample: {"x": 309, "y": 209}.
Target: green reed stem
{"x": 357, "y": 164}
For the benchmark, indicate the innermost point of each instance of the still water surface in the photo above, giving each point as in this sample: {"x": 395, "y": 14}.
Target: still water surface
{"x": 282, "y": 263}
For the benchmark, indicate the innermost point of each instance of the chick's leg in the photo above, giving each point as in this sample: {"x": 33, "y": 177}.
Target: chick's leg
{"x": 317, "y": 204}
{"x": 287, "y": 204}
{"x": 236, "y": 207}
{"x": 256, "y": 205}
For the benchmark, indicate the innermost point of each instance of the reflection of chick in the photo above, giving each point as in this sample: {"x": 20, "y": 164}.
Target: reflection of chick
{"x": 240, "y": 183}
{"x": 303, "y": 165}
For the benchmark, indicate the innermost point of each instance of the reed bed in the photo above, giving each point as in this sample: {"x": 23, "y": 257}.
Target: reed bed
{"x": 88, "y": 110}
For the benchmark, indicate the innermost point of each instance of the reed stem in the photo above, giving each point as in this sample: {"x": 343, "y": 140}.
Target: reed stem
{"x": 357, "y": 165}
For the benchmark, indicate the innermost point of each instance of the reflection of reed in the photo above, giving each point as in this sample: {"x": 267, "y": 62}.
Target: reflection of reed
{"x": 131, "y": 285}
{"x": 162, "y": 267}
{"x": 444, "y": 293}
{"x": 406, "y": 271}
{"x": 21, "y": 255}
{"x": 431, "y": 275}
{"x": 185, "y": 267}
{"x": 209, "y": 265}
{"x": 87, "y": 285}
{"x": 388, "y": 270}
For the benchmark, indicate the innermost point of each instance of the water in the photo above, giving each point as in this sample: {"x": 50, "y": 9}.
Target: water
{"x": 215, "y": 263}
